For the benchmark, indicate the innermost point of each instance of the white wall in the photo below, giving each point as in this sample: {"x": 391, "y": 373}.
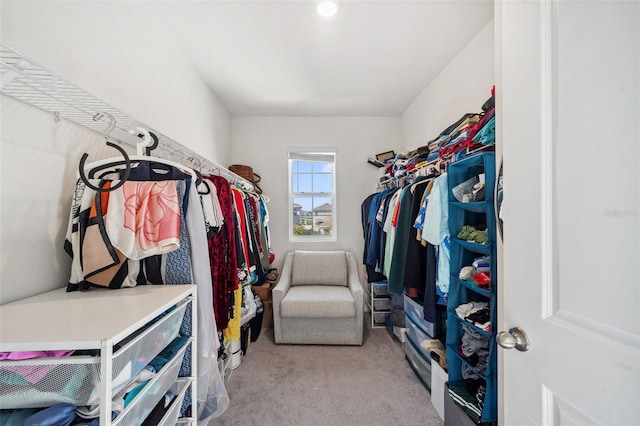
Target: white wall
{"x": 262, "y": 143}
{"x": 462, "y": 87}
{"x": 117, "y": 52}
{"x": 105, "y": 49}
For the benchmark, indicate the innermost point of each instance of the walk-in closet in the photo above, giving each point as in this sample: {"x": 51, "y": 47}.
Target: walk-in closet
{"x": 319, "y": 212}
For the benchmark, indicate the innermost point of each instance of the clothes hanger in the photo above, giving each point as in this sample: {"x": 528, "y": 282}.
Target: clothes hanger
{"x": 126, "y": 159}
{"x": 199, "y": 182}
{"x": 140, "y": 147}
{"x": 154, "y": 145}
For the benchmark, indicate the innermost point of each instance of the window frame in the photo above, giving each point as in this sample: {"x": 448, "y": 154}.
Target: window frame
{"x": 307, "y": 155}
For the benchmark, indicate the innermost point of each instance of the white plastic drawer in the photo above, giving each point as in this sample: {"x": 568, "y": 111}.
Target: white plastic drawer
{"x": 138, "y": 352}
{"x": 414, "y": 310}
{"x": 173, "y": 413}
{"x": 381, "y": 304}
{"x": 380, "y": 318}
{"x": 147, "y": 399}
{"x": 420, "y": 366}
{"x": 417, "y": 335}
{"x": 380, "y": 288}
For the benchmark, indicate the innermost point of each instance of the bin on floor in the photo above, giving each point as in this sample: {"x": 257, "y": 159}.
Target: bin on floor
{"x": 438, "y": 379}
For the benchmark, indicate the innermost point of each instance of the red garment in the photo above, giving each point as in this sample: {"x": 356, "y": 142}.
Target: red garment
{"x": 480, "y": 124}
{"x": 222, "y": 255}
{"x": 244, "y": 274}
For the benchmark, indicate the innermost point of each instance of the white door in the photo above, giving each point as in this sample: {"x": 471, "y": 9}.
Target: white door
{"x": 568, "y": 82}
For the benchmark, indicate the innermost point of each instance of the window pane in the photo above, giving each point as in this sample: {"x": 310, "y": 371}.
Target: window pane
{"x": 312, "y": 216}
{"x": 302, "y": 215}
{"x": 303, "y": 183}
{"x": 322, "y": 215}
{"x": 322, "y": 183}
{"x": 322, "y": 167}
{"x": 304, "y": 166}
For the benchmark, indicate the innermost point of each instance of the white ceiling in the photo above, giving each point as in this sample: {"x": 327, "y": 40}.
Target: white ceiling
{"x": 282, "y": 58}
{"x": 270, "y": 58}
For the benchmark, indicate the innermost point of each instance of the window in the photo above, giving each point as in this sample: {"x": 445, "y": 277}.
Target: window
{"x": 312, "y": 196}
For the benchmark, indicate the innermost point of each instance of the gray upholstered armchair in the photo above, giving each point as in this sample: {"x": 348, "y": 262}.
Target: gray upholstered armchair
{"x": 319, "y": 299}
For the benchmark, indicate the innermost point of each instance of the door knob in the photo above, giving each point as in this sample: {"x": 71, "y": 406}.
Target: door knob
{"x": 514, "y": 338}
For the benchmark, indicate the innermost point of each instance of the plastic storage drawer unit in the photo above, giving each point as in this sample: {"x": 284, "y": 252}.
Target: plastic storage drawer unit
{"x": 173, "y": 413}
{"x": 380, "y": 288}
{"x": 420, "y": 365}
{"x": 417, "y": 335}
{"x": 414, "y": 310}
{"x": 380, "y": 318}
{"x": 151, "y": 394}
{"x": 76, "y": 379}
{"x": 382, "y": 304}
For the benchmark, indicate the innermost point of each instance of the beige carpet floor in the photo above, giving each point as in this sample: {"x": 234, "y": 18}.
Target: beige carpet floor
{"x": 319, "y": 385}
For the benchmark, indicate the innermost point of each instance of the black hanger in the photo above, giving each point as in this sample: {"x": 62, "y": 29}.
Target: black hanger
{"x": 125, "y": 175}
{"x": 153, "y": 146}
{"x": 199, "y": 181}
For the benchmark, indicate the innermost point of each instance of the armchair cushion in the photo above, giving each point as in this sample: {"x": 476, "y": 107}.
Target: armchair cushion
{"x": 319, "y": 268}
{"x": 318, "y": 301}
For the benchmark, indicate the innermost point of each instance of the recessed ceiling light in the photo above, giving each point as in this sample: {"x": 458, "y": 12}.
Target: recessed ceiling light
{"x": 327, "y": 9}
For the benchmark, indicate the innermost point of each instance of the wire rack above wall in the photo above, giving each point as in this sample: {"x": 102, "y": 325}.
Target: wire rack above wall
{"x": 26, "y": 81}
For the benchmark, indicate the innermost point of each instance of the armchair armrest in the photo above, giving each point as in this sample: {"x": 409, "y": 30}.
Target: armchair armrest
{"x": 278, "y": 293}
{"x": 354, "y": 283}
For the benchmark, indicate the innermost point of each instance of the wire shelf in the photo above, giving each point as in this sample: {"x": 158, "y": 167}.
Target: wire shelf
{"x": 28, "y": 82}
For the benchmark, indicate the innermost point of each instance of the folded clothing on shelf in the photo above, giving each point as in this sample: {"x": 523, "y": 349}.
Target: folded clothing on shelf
{"x": 471, "y": 234}
{"x": 470, "y": 190}
{"x": 476, "y": 313}
{"x": 466, "y": 401}
{"x": 482, "y": 264}
{"x": 480, "y": 279}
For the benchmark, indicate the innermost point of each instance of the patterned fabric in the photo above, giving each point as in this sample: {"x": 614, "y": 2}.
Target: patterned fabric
{"x": 147, "y": 219}
{"x": 253, "y": 237}
{"x": 178, "y": 270}
{"x": 222, "y": 254}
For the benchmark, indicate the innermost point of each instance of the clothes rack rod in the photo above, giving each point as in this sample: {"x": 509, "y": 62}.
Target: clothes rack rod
{"x": 30, "y": 83}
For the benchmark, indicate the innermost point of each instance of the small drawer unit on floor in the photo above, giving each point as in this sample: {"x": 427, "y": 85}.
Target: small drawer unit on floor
{"x": 379, "y": 302}
{"x": 115, "y": 336}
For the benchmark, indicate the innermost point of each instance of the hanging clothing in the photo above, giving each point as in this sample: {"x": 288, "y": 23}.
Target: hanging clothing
{"x": 164, "y": 241}
{"x": 366, "y": 207}
{"x": 95, "y": 262}
{"x": 415, "y": 259}
{"x": 244, "y": 266}
{"x": 144, "y": 218}
{"x": 222, "y": 254}
{"x": 213, "y": 216}
{"x": 400, "y": 244}
{"x": 436, "y": 222}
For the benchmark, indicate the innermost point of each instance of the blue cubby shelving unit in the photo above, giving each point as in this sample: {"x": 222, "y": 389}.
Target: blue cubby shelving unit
{"x": 479, "y": 213}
